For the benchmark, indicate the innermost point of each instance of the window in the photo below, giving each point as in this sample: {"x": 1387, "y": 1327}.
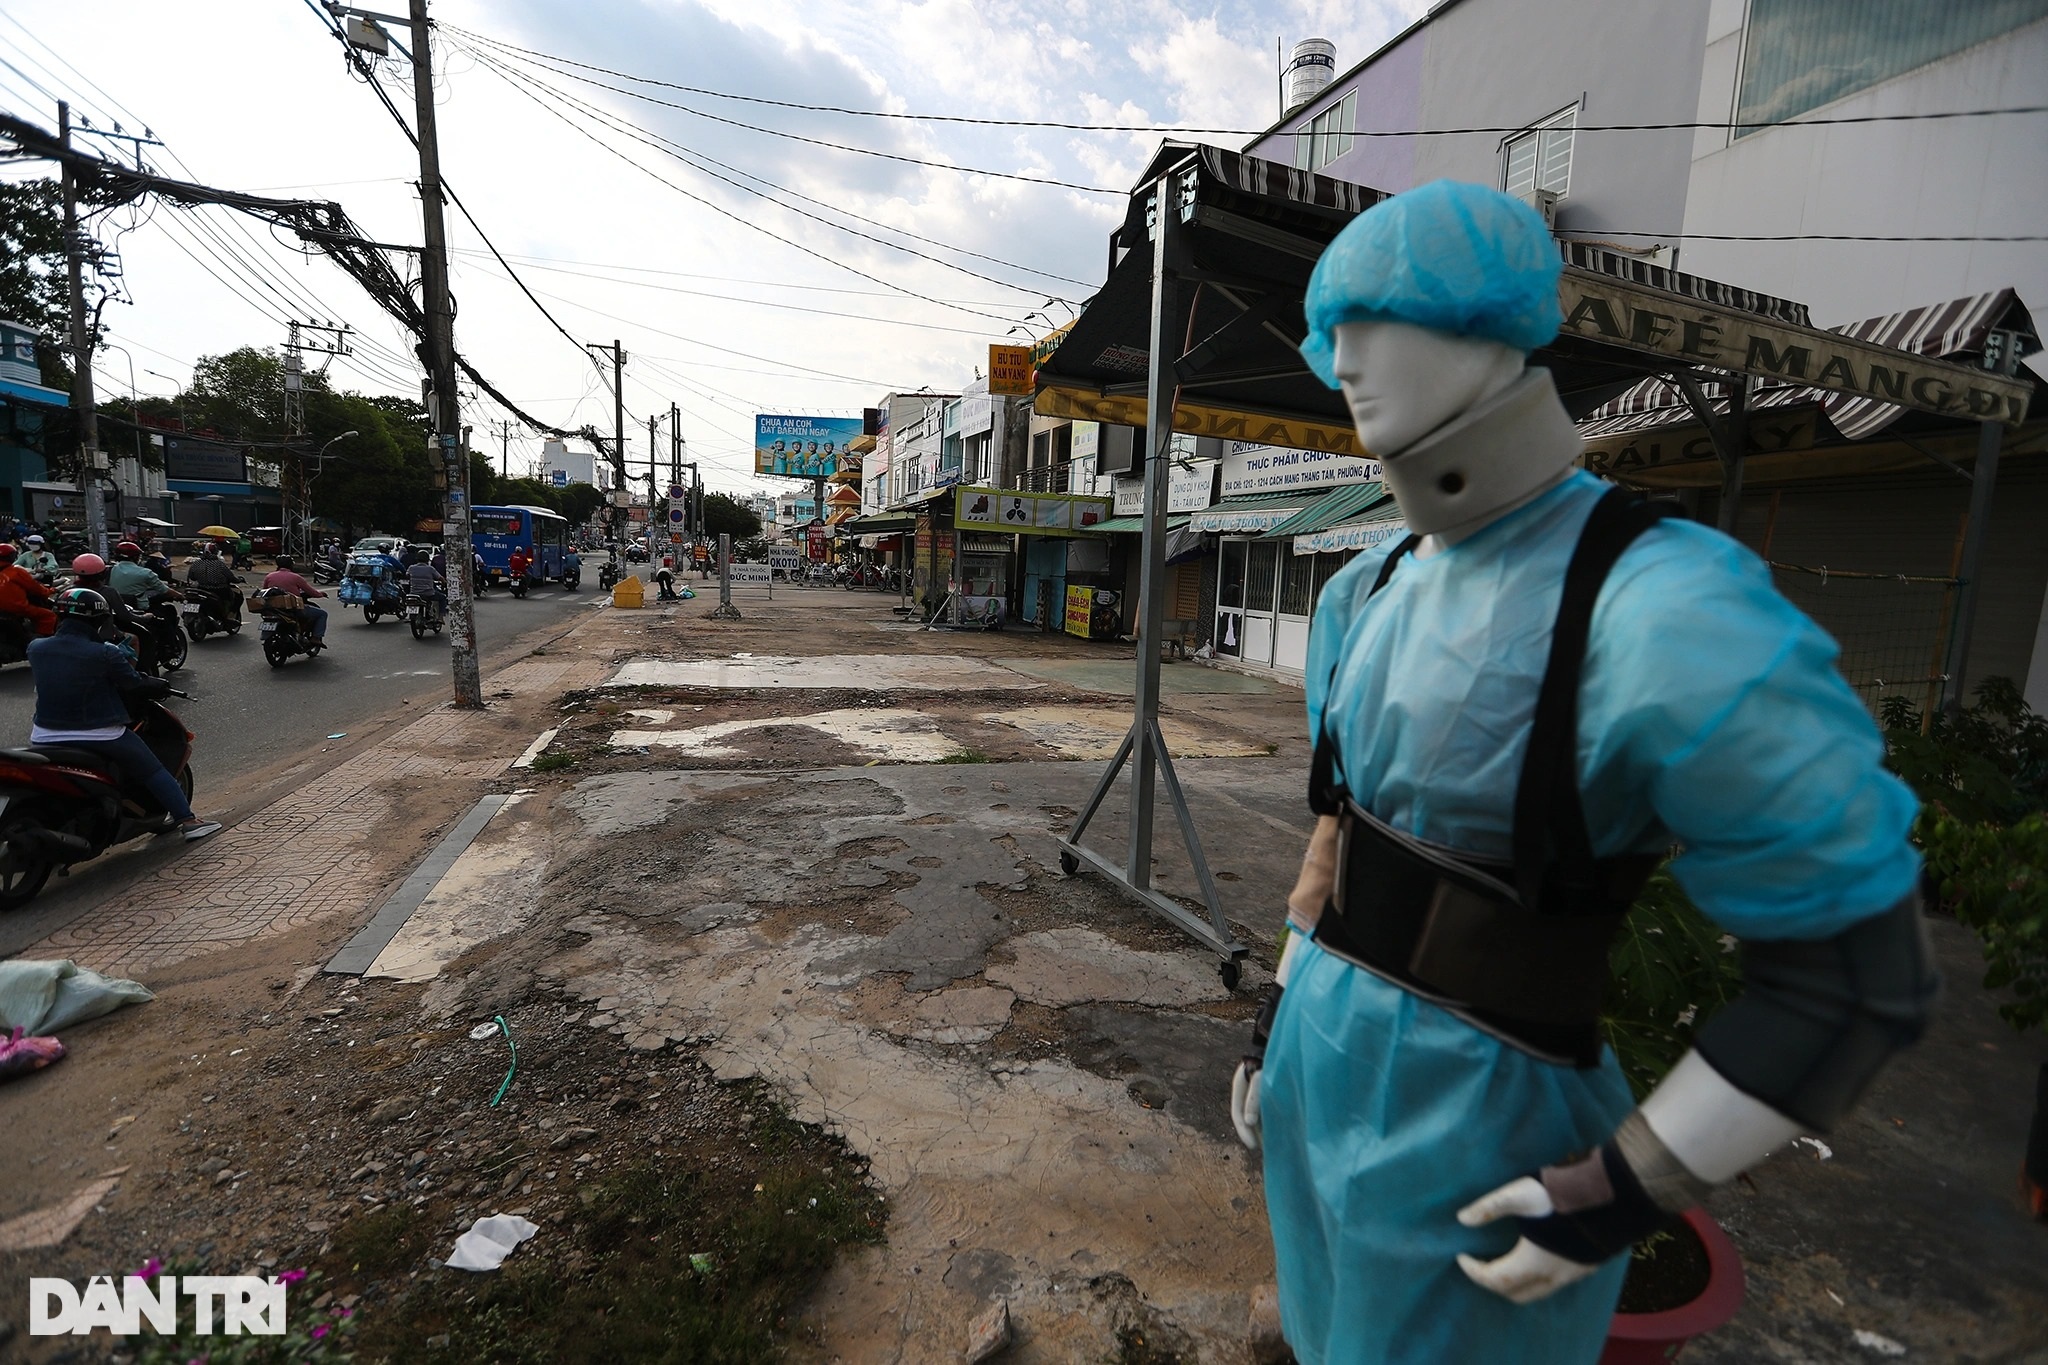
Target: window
{"x": 1800, "y": 54}
{"x": 1327, "y": 136}
{"x": 1541, "y": 158}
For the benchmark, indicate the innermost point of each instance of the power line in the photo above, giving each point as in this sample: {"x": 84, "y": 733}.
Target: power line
{"x": 690, "y": 156}
{"x": 724, "y": 212}
{"x": 813, "y": 141}
{"x": 1803, "y": 236}
{"x": 1063, "y": 126}
{"x": 556, "y": 262}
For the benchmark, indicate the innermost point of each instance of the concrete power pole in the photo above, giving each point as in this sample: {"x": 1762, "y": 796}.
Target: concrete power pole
{"x": 621, "y": 480}
{"x": 91, "y": 459}
{"x": 440, "y": 357}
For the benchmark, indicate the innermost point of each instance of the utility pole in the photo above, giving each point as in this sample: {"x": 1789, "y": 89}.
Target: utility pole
{"x": 440, "y": 357}
{"x": 656, "y": 535}
{"x": 624, "y": 481}
{"x": 300, "y": 499}
{"x": 91, "y": 459}
{"x": 505, "y": 447}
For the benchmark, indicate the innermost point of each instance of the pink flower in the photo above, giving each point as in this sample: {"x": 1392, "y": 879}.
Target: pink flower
{"x": 292, "y": 1276}
{"x": 319, "y": 1332}
{"x": 151, "y": 1268}
{"x": 344, "y": 1312}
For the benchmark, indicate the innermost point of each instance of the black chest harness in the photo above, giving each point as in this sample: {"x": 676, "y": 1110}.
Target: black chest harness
{"x": 1517, "y": 949}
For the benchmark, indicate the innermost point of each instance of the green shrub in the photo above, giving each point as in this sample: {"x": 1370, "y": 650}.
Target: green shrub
{"x": 1669, "y": 969}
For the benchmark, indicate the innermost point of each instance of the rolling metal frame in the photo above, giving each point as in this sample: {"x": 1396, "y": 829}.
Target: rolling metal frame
{"x": 1144, "y": 746}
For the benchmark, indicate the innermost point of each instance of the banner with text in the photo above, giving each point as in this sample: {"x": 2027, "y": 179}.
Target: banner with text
{"x": 802, "y": 447}
{"x": 1033, "y": 514}
{"x": 1250, "y": 468}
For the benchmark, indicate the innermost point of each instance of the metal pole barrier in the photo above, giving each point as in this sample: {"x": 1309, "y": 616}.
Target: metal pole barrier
{"x": 1983, "y": 483}
{"x": 725, "y": 610}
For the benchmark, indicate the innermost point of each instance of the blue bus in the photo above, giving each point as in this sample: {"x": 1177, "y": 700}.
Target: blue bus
{"x": 494, "y": 531}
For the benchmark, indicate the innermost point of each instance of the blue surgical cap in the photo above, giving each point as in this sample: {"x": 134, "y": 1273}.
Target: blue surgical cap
{"x": 1450, "y": 256}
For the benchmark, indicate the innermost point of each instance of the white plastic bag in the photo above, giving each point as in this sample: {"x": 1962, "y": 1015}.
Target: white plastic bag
{"x": 44, "y": 995}
{"x": 489, "y": 1241}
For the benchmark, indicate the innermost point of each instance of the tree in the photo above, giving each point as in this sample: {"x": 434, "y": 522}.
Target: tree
{"x": 33, "y": 289}
{"x": 728, "y": 516}
{"x": 241, "y": 394}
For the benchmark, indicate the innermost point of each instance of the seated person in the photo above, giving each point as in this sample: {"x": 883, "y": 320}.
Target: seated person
{"x": 23, "y": 596}
{"x": 212, "y": 573}
{"x": 286, "y": 579}
{"x": 90, "y": 571}
{"x": 517, "y": 564}
{"x": 82, "y": 686}
{"x": 136, "y": 585}
{"x": 37, "y": 558}
{"x": 423, "y": 580}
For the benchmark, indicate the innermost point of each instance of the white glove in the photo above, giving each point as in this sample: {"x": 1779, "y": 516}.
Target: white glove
{"x": 1528, "y": 1272}
{"x": 1244, "y": 1085}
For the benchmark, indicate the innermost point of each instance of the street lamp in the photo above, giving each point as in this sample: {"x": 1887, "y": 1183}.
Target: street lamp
{"x": 178, "y": 395}
{"x": 306, "y": 507}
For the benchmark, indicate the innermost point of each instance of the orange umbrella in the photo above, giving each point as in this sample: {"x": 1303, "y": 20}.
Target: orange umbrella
{"x": 220, "y": 531}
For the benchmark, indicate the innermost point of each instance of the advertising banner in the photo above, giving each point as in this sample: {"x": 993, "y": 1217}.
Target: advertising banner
{"x": 1037, "y": 514}
{"x": 802, "y": 447}
{"x": 1187, "y": 489}
{"x": 200, "y": 461}
{"x": 1250, "y": 468}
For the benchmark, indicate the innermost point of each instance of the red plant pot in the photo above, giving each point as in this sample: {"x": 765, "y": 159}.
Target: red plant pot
{"x": 1647, "y": 1338}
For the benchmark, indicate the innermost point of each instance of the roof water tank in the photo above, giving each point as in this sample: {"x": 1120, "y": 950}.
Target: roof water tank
{"x": 1310, "y": 71}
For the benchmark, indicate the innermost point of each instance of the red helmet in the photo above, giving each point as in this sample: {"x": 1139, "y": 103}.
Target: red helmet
{"x": 127, "y": 549}
{"x": 7, "y": 553}
{"x": 87, "y": 565}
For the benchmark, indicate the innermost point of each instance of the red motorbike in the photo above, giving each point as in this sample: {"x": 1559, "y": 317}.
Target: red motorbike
{"x": 61, "y": 805}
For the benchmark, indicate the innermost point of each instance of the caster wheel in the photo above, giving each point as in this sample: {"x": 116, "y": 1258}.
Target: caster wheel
{"x": 1069, "y": 864}
{"x": 1231, "y": 973}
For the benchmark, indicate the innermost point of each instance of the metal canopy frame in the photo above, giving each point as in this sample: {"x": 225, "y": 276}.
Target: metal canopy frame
{"x": 1144, "y": 746}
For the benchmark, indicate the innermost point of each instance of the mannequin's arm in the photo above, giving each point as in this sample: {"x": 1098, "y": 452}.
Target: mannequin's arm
{"x": 1816, "y": 1022}
{"x": 1318, "y": 877}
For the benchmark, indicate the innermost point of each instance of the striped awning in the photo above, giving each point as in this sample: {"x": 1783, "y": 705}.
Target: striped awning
{"x": 1954, "y": 330}
{"x": 1360, "y": 533}
{"x": 1339, "y": 505}
{"x": 1254, "y": 512}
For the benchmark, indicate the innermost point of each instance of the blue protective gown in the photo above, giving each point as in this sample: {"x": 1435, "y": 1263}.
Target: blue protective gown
{"x": 1711, "y": 715}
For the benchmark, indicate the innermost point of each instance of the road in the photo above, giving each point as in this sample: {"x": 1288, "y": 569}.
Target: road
{"x": 248, "y": 716}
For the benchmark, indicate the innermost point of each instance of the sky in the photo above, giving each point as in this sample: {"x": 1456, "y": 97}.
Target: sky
{"x": 723, "y": 257}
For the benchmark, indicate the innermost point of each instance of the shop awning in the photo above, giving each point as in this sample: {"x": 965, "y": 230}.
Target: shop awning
{"x": 1338, "y": 505}
{"x": 882, "y": 524}
{"x": 1361, "y": 532}
{"x": 1136, "y": 525}
{"x": 1255, "y": 511}
{"x": 1252, "y": 233}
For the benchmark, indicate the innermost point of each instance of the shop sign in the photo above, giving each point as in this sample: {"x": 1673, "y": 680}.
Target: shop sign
{"x": 924, "y": 540}
{"x": 1249, "y": 468}
{"x": 1602, "y": 308}
{"x": 1769, "y": 433}
{"x": 1009, "y": 371}
{"x": 1362, "y": 536}
{"x": 1187, "y": 489}
{"x": 748, "y": 575}
{"x": 1080, "y": 608}
{"x": 1035, "y": 514}
{"x": 1198, "y": 419}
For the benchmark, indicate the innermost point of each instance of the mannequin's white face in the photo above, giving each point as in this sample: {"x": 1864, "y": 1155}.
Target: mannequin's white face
{"x": 1403, "y": 382}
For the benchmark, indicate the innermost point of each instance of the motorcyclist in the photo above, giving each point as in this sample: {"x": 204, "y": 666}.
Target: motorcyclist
{"x": 90, "y": 571}
{"x": 22, "y": 595}
{"x": 82, "y": 683}
{"x": 135, "y": 583}
{"x": 286, "y": 579}
{"x": 424, "y": 580}
{"x": 572, "y": 568}
{"x": 481, "y": 572}
{"x": 36, "y": 558}
{"x": 211, "y": 575}
{"x": 518, "y": 563}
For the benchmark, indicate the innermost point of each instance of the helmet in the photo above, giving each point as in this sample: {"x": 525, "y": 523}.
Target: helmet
{"x": 87, "y": 565}
{"x": 210, "y": 550}
{"x": 284, "y": 561}
{"x": 7, "y": 553}
{"x": 35, "y": 540}
{"x": 127, "y": 549}
{"x": 83, "y": 603}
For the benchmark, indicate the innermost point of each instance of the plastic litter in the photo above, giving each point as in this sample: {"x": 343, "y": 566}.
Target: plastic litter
{"x": 1450, "y": 256}
{"x": 489, "y": 1241}
{"x": 1882, "y": 1345}
{"x": 483, "y": 1031}
{"x": 342, "y": 735}
{"x": 41, "y": 996}
{"x": 19, "y": 1055}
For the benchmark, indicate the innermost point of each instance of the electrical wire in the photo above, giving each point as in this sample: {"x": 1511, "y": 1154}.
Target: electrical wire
{"x": 758, "y": 227}
{"x": 556, "y": 262}
{"x": 1064, "y": 126}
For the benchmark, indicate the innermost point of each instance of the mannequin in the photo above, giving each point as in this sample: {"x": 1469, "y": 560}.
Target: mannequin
{"x": 1455, "y": 1168}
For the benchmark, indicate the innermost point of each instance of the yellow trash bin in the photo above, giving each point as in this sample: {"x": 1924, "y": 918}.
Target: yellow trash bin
{"x": 629, "y": 592}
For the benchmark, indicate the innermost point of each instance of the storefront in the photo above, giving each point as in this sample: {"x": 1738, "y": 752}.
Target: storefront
{"x": 1058, "y": 536}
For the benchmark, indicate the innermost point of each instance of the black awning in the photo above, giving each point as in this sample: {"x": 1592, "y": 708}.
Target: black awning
{"x": 881, "y": 524}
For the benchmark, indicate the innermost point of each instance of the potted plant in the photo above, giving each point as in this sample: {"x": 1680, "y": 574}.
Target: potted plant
{"x": 1670, "y": 968}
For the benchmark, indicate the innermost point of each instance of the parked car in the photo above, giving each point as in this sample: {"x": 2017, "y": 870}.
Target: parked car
{"x": 378, "y": 545}
{"x": 266, "y": 540}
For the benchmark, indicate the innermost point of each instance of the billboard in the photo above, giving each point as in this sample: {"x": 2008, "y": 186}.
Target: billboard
{"x": 193, "y": 460}
{"x": 802, "y": 447}
{"x": 1032, "y": 514}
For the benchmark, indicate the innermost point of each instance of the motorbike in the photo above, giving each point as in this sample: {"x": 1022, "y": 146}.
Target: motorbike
{"x": 61, "y": 805}
{"x": 163, "y": 643}
{"x": 284, "y": 634}
{"x": 519, "y": 582}
{"x": 212, "y": 611}
{"x": 608, "y": 575}
{"x": 326, "y": 572}
{"x": 571, "y": 578}
{"x": 636, "y": 554}
{"x": 422, "y": 614}
{"x": 15, "y": 634}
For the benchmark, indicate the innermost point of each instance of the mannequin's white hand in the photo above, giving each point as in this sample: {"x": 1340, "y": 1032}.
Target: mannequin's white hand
{"x": 1528, "y": 1272}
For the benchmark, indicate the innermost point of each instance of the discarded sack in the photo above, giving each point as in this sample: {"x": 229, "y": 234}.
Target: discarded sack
{"x": 19, "y": 1055}
{"x": 45, "y": 995}
{"x": 489, "y": 1241}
